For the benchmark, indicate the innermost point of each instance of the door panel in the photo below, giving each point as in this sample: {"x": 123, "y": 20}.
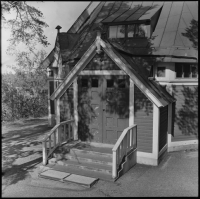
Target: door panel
{"x": 115, "y": 107}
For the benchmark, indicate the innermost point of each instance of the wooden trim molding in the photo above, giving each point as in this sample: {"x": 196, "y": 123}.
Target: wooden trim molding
{"x": 75, "y": 93}
{"x": 131, "y": 102}
{"x": 102, "y": 72}
{"x": 156, "y": 126}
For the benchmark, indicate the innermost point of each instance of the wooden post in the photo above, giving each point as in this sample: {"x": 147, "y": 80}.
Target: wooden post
{"x": 75, "y": 94}
{"x": 44, "y": 151}
{"x": 57, "y": 109}
{"x": 114, "y": 166}
{"x": 131, "y": 102}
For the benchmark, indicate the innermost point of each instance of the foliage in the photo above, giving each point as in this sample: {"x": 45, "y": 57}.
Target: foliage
{"x": 24, "y": 93}
{"x": 192, "y": 33}
{"x": 26, "y": 27}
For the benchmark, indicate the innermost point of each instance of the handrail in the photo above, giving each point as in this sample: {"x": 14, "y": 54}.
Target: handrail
{"x": 125, "y": 143}
{"x": 55, "y": 127}
{"x": 61, "y": 133}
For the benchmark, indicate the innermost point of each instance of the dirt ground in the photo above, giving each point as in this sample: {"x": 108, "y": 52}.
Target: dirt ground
{"x": 176, "y": 175}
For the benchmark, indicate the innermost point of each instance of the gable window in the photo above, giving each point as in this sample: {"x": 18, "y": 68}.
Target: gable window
{"x": 186, "y": 70}
{"x": 161, "y": 71}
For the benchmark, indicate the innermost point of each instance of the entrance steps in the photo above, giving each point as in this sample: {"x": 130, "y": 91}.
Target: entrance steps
{"x": 86, "y": 159}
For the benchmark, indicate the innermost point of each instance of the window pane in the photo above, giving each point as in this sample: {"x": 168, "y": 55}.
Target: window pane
{"x": 112, "y": 31}
{"x": 194, "y": 71}
{"x": 84, "y": 82}
{"x": 130, "y": 30}
{"x": 136, "y": 30}
{"x": 121, "y": 31}
{"x": 178, "y": 70}
{"x": 121, "y": 83}
{"x": 160, "y": 71}
{"x": 110, "y": 83}
{"x": 95, "y": 83}
{"x": 142, "y": 31}
{"x": 186, "y": 70}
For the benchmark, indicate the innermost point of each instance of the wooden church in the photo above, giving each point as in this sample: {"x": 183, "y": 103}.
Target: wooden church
{"x": 123, "y": 86}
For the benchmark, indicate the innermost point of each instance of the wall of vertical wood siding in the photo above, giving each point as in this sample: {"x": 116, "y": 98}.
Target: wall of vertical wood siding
{"x": 186, "y": 112}
{"x": 143, "y": 117}
{"x": 163, "y": 128}
{"x": 67, "y": 105}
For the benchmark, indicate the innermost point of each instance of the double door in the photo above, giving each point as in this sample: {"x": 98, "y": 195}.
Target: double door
{"x": 103, "y": 107}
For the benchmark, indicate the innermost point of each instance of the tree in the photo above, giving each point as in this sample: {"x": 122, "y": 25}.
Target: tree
{"x": 24, "y": 93}
{"x": 27, "y": 25}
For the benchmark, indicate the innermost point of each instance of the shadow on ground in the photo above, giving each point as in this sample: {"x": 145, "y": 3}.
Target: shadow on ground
{"x": 22, "y": 148}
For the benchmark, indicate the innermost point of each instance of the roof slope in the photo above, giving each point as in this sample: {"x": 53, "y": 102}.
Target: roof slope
{"x": 168, "y": 39}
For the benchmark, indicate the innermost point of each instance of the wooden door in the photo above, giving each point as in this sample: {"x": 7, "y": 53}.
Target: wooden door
{"x": 90, "y": 108}
{"x": 115, "y": 107}
{"x": 103, "y": 107}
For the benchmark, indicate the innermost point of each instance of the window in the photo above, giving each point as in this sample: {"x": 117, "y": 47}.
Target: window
{"x": 160, "y": 71}
{"x": 110, "y": 83}
{"x": 129, "y": 31}
{"x": 186, "y": 70}
{"x": 95, "y": 83}
{"x": 137, "y": 30}
{"x": 117, "y": 31}
{"x": 84, "y": 82}
{"x": 121, "y": 83}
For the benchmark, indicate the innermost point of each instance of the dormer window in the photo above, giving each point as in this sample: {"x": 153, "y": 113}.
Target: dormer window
{"x": 133, "y": 30}
{"x": 117, "y": 31}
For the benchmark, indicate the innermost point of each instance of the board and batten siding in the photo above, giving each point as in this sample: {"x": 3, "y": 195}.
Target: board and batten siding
{"x": 186, "y": 112}
{"x": 143, "y": 117}
{"x": 163, "y": 127}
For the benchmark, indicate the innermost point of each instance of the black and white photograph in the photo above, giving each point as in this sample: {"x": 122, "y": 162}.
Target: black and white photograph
{"x": 99, "y": 99}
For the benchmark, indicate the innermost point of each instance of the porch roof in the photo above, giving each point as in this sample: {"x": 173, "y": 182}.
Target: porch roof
{"x": 152, "y": 90}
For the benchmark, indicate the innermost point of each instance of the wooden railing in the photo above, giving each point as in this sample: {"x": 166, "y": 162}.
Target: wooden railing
{"x": 126, "y": 142}
{"x": 60, "y": 134}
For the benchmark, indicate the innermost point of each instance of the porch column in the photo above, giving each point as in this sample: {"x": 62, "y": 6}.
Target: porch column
{"x": 75, "y": 96}
{"x": 156, "y": 127}
{"x": 57, "y": 111}
{"x": 131, "y": 103}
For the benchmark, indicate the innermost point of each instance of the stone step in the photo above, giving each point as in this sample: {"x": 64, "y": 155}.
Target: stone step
{"x": 86, "y": 157}
{"x": 75, "y": 170}
{"x": 81, "y": 164}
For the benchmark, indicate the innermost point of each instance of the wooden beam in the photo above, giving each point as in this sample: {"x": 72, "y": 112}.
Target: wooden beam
{"x": 131, "y": 103}
{"x": 75, "y": 94}
{"x": 102, "y": 72}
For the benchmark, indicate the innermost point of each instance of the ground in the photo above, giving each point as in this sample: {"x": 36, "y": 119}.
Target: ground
{"x": 176, "y": 175}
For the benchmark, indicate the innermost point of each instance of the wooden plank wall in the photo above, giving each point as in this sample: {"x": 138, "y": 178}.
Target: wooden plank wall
{"x": 186, "y": 112}
{"x": 143, "y": 117}
{"x": 163, "y": 127}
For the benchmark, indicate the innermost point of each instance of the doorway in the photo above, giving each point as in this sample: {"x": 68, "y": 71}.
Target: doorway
{"x": 103, "y": 107}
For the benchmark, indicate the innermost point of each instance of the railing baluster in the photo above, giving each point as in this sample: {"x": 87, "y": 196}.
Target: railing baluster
{"x": 54, "y": 134}
{"x": 64, "y": 132}
{"x": 49, "y": 142}
{"x": 131, "y": 137}
{"x": 69, "y": 133}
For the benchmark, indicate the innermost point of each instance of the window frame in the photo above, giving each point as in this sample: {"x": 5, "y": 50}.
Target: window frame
{"x": 157, "y": 71}
{"x": 147, "y": 23}
{"x": 190, "y": 65}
